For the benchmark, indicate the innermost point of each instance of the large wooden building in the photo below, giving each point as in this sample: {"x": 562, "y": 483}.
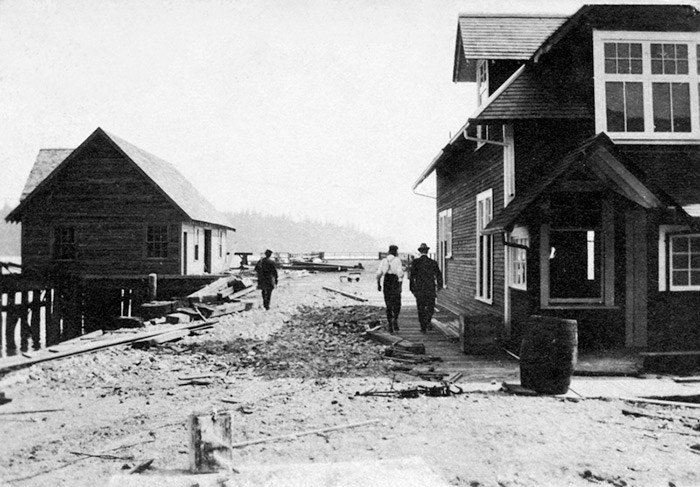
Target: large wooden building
{"x": 574, "y": 190}
{"x": 108, "y": 208}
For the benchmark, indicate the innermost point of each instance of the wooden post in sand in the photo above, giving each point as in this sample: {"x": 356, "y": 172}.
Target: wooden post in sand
{"x": 210, "y": 442}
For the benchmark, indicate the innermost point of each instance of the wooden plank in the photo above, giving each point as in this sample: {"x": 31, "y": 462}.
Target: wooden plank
{"x": 349, "y": 295}
{"x": 396, "y": 341}
{"x": 661, "y": 402}
{"x": 16, "y": 362}
{"x": 171, "y": 336}
{"x": 676, "y": 353}
{"x": 227, "y": 309}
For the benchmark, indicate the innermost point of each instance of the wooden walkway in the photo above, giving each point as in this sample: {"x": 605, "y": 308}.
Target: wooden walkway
{"x": 475, "y": 368}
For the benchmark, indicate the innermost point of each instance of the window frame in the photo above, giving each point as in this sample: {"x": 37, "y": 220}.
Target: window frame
{"x": 671, "y": 286}
{"x": 484, "y": 260}
{"x": 519, "y": 236}
{"x": 647, "y": 80}
{"x": 508, "y": 164}
{"x": 607, "y": 264}
{"x": 59, "y": 247}
{"x": 482, "y": 81}
{"x": 444, "y": 241}
{"x": 162, "y": 244}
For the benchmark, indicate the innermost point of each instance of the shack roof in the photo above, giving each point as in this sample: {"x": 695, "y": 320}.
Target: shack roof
{"x": 163, "y": 174}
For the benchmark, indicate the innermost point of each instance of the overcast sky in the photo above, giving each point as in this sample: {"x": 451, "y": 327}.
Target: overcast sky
{"x": 309, "y": 108}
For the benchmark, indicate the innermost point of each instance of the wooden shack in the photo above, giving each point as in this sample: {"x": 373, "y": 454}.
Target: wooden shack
{"x": 109, "y": 208}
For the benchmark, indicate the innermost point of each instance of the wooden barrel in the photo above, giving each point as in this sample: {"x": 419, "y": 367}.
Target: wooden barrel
{"x": 548, "y": 354}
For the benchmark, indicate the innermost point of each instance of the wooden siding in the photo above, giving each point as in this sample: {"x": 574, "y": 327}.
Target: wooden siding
{"x": 673, "y": 316}
{"x": 458, "y": 184}
{"x": 219, "y": 263}
{"x": 110, "y": 205}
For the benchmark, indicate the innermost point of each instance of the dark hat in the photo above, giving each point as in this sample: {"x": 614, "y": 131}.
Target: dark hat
{"x": 423, "y": 248}
{"x": 268, "y": 252}
{"x": 393, "y": 248}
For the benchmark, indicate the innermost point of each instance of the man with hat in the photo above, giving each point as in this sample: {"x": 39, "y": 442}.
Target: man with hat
{"x": 267, "y": 277}
{"x": 392, "y": 270}
{"x": 425, "y": 278}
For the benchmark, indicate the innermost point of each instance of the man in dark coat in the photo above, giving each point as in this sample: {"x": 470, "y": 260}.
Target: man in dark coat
{"x": 425, "y": 281}
{"x": 267, "y": 277}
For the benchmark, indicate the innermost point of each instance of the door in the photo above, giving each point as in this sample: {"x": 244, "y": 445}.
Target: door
{"x": 185, "y": 255}
{"x": 207, "y": 251}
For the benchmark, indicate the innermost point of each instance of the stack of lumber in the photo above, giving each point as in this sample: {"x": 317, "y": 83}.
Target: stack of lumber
{"x": 98, "y": 341}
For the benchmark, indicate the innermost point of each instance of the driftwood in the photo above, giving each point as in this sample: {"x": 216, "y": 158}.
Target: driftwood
{"x": 302, "y": 433}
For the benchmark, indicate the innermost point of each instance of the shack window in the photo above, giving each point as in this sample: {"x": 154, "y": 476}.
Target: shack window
{"x": 157, "y": 241}
{"x": 685, "y": 262}
{"x": 64, "y": 244}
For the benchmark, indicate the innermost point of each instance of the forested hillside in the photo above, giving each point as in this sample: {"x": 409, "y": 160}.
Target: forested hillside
{"x": 256, "y": 232}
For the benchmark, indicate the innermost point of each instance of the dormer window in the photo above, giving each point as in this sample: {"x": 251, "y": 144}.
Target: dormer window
{"x": 646, "y": 86}
{"x": 482, "y": 81}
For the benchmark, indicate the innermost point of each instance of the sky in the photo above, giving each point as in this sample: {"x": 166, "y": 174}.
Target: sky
{"x": 319, "y": 109}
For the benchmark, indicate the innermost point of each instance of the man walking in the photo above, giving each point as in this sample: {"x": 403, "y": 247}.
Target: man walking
{"x": 392, "y": 271}
{"x": 425, "y": 277}
{"x": 267, "y": 277}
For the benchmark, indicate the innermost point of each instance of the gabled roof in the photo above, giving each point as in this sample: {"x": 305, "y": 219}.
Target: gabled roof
{"x": 46, "y": 161}
{"x": 515, "y": 37}
{"x": 168, "y": 180}
{"x": 599, "y": 157}
{"x": 526, "y": 96}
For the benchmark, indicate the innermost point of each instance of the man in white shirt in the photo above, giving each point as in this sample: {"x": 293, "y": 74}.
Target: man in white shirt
{"x": 391, "y": 269}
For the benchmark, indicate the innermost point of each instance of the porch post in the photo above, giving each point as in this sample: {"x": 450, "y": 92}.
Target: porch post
{"x": 636, "y": 292}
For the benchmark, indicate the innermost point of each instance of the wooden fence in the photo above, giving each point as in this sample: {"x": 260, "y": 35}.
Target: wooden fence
{"x": 35, "y": 314}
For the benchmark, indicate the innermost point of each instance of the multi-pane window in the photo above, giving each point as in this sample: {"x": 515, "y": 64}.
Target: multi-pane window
{"x": 64, "y": 244}
{"x": 645, "y": 87}
{"x": 685, "y": 262}
{"x": 669, "y": 58}
{"x": 484, "y": 247}
{"x": 444, "y": 240}
{"x": 623, "y": 57}
{"x": 157, "y": 241}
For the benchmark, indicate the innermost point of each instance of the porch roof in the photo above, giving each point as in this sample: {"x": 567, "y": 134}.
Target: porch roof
{"x": 526, "y": 95}
{"x": 599, "y": 157}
